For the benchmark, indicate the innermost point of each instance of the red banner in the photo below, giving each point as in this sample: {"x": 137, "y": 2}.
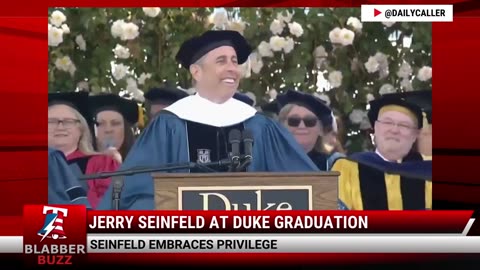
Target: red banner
{"x": 426, "y": 222}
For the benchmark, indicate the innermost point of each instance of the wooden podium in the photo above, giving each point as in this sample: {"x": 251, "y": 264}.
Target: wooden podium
{"x": 246, "y": 191}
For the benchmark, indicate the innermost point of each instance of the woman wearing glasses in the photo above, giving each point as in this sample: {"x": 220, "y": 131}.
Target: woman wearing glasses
{"x": 69, "y": 130}
{"x": 307, "y": 118}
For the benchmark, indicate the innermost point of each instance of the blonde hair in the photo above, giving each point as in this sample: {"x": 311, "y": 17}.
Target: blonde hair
{"x": 85, "y": 144}
{"x": 401, "y": 109}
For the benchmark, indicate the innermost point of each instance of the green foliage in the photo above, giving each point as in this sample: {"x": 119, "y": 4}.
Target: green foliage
{"x": 153, "y": 51}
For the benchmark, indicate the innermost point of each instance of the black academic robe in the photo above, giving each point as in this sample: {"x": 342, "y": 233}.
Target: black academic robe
{"x": 170, "y": 139}
{"x": 320, "y": 159}
{"x": 368, "y": 182}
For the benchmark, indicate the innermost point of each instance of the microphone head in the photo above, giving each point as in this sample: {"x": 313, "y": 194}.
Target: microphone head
{"x": 109, "y": 142}
{"x": 247, "y": 135}
{"x": 234, "y": 136}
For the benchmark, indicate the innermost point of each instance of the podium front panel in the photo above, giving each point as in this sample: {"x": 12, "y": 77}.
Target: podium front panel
{"x": 246, "y": 191}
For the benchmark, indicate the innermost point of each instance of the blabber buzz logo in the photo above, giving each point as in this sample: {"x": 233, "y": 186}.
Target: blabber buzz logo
{"x": 53, "y": 226}
{"x": 54, "y": 235}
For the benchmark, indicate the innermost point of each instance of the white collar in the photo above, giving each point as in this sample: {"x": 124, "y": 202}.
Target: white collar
{"x": 378, "y": 153}
{"x": 200, "y": 110}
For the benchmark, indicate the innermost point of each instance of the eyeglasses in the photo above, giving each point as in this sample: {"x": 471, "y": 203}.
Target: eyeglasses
{"x": 401, "y": 126}
{"x": 309, "y": 121}
{"x": 66, "y": 123}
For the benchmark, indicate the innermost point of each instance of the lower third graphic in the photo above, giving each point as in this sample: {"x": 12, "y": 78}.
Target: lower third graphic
{"x": 53, "y": 225}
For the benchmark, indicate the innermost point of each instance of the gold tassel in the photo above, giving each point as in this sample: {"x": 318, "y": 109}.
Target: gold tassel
{"x": 426, "y": 125}
{"x": 141, "y": 119}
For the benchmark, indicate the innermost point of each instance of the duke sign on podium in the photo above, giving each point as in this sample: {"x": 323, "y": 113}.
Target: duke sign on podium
{"x": 246, "y": 191}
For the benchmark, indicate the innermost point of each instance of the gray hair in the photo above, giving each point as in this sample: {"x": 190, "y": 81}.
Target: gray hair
{"x": 283, "y": 114}
{"x": 199, "y": 62}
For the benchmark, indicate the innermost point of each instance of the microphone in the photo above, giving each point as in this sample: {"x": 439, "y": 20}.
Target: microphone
{"x": 247, "y": 136}
{"x": 109, "y": 142}
{"x": 234, "y": 137}
{"x": 117, "y": 186}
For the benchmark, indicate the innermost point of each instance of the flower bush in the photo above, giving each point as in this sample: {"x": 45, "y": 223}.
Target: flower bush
{"x": 327, "y": 51}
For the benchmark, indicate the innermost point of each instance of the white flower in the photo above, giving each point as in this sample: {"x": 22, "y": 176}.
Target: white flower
{"x": 365, "y": 123}
{"x": 388, "y": 24}
{"x": 237, "y": 25}
{"x": 276, "y": 27}
{"x": 386, "y": 89}
{"x": 49, "y": 27}
{"x": 131, "y": 84}
{"x": 246, "y": 69}
{"x": 264, "y": 49}
{"x": 335, "y": 78}
{"x": 320, "y": 52}
{"x": 65, "y": 64}
{"x": 295, "y": 29}
{"x": 334, "y": 35}
{"x": 382, "y": 60}
{"x": 57, "y": 18}
{"x": 121, "y": 52}
{"x": 82, "y": 45}
{"x": 273, "y": 94}
{"x": 289, "y": 44}
{"x": 119, "y": 71}
{"x": 370, "y": 97}
{"x": 372, "y": 64}
{"x": 256, "y": 63}
{"x": 425, "y": 73}
{"x": 72, "y": 69}
{"x": 323, "y": 97}
{"x": 117, "y": 28}
{"x": 129, "y": 31}
{"x": 406, "y": 84}
{"x": 220, "y": 18}
{"x": 132, "y": 88}
{"x": 356, "y": 116}
{"x": 55, "y": 36}
{"x": 277, "y": 43}
{"x": 404, "y": 71}
{"x": 284, "y": 19}
{"x": 138, "y": 95}
{"x": 66, "y": 29}
{"x": 151, "y": 11}
{"x": 355, "y": 23}
{"x": 346, "y": 37}
{"x": 143, "y": 77}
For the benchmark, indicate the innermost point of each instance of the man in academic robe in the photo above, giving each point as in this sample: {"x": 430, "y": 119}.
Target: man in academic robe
{"x": 196, "y": 128}
{"x": 63, "y": 185}
{"x": 395, "y": 176}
